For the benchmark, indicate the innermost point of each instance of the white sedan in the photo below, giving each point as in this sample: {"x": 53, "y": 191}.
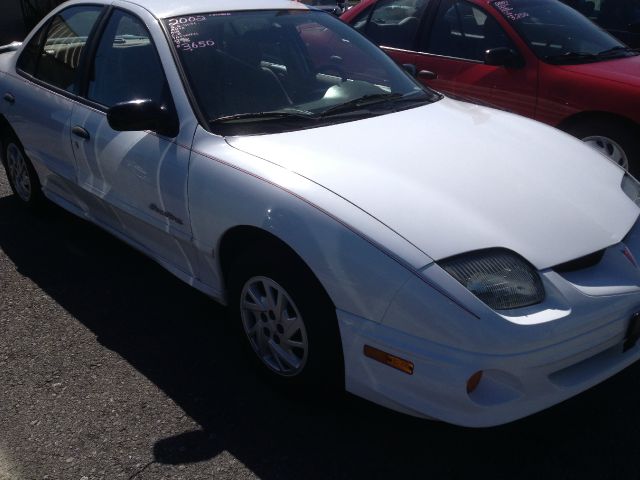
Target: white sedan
{"x": 440, "y": 258}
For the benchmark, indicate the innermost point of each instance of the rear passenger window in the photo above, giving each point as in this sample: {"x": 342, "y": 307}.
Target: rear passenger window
{"x": 462, "y": 30}
{"x": 55, "y": 60}
{"x": 126, "y": 65}
{"x": 360, "y": 22}
{"x": 28, "y": 60}
{"x": 394, "y": 23}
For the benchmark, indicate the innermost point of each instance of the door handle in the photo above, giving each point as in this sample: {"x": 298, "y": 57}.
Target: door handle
{"x": 427, "y": 75}
{"x": 9, "y": 98}
{"x": 78, "y": 131}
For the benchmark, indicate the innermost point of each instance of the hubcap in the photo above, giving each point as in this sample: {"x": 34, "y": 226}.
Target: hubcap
{"x": 274, "y": 326}
{"x": 609, "y": 148}
{"x": 18, "y": 172}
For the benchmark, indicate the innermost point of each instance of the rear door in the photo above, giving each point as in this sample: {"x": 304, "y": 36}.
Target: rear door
{"x": 41, "y": 96}
{"x": 394, "y": 23}
{"x": 395, "y": 26}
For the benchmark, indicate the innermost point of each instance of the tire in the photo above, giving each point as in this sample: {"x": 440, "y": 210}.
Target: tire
{"x": 294, "y": 341}
{"x": 614, "y": 138}
{"x": 22, "y": 177}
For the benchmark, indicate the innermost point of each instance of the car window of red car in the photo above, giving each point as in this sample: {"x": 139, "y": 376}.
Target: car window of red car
{"x": 330, "y": 53}
{"x": 56, "y": 62}
{"x": 394, "y": 23}
{"x": 126, "y": 65}
{"x": 611, "y": 14}
{"x": 558, "y": 34}
{"x": 360, "y": 20}
{"x": 463, "y": 30}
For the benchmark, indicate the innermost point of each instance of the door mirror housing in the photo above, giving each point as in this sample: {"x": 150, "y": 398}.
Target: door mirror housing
{"x": 503, "y": 57}
{"x": 138, "y": 115}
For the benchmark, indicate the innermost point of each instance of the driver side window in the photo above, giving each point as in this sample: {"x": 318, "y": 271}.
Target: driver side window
{"x": 462, "y": 30}
{"x": 126, "y": 66}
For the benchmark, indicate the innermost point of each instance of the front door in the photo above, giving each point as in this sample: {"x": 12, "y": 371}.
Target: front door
{"x": 447, "y": 43}
{"x": 135, "y": 182}
{"x": 453, "y": 50}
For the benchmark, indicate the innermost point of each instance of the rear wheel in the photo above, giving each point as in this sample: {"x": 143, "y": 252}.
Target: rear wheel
{"x": 22, "y": 177}
{"x": 287, "y": 320}
{"x": 613, "y": 138}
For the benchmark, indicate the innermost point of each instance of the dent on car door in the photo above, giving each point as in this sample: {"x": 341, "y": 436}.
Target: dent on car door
{"x": 43, "y": 91}
{"x": 454, "y": 51}
{"x": 134, "y": 181}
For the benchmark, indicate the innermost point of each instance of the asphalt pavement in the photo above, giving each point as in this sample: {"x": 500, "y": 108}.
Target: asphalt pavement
{"x": 111, "y": 368}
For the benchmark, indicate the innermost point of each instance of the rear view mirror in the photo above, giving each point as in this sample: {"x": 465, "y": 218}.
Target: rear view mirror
{"x": 503, "y": 57}
{"x": 138, "y": 115}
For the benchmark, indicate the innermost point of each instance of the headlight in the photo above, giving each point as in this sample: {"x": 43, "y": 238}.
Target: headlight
{"x": 631, "y": 187}
{"x": 498, "y": 277}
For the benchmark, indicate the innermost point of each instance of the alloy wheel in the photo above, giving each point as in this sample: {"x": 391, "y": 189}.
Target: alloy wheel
{"x": 18, "y": 172}
{"x": 274, "y": 326}
{"x": 609, "y": 148}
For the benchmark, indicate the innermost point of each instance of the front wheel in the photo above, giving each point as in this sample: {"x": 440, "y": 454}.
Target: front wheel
{"x": 22, "y": 177}
{"x": 287, "y": 320}
{"x": 614, "y": 139}
{"x": 274, "y": 326}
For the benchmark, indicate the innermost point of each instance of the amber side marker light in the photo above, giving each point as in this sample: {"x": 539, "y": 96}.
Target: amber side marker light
{"x": 474, "y": 381}
{"x": 383, "y": 357}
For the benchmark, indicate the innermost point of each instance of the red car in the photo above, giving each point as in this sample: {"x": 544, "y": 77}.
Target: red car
{"x": 538, "y": 58}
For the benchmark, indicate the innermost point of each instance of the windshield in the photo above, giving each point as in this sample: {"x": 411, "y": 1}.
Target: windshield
{"x": 559, "y": 34}
{"x": 266, "y": 71}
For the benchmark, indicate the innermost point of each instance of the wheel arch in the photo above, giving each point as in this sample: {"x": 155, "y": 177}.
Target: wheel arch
{"x": 242, "y": 237}
{"x": 595, "y": 115}
{"x": 5, "y": 129}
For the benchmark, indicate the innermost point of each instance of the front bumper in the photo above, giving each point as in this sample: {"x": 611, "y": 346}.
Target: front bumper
{"x": 512, "y": 386}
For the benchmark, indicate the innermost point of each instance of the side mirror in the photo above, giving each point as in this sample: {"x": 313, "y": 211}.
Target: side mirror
{"x": 410, "y": 68}
{"x": 138, "y": 115}
{"x": 502, "y": 57}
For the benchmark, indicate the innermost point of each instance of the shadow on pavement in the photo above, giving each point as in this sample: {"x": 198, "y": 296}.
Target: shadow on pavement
{"x": 179, "y": 340}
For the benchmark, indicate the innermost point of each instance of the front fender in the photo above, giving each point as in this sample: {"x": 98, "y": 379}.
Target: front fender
{"x": 360, "y": 262}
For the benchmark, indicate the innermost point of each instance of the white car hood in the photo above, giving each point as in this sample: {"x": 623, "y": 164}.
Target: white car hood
{"x": 452, "y": 177}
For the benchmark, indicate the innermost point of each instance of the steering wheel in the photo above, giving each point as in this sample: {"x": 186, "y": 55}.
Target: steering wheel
{"x": 329, "y": 67}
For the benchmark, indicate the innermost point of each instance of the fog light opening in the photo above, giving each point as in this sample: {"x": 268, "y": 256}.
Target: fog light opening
{"x": 474, "y": 381}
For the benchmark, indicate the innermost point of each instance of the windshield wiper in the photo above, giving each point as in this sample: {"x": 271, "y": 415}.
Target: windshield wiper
{"x": 616, "y": 50}
{"x": 366, "y": 100}
{"x": 352, "y": 106}
{"x": 263, "y": 116}
{"x": 570, "y": 57}
{"x": 357, "y": 103}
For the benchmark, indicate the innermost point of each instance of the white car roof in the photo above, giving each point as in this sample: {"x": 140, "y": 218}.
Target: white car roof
{"x": 165, "y": 8}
